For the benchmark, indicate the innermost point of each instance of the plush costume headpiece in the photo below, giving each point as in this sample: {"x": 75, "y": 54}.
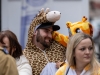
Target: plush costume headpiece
{"x": 45, "y": 18}
{"x": 81, "y": 26}
{"x": 77, "y": 27}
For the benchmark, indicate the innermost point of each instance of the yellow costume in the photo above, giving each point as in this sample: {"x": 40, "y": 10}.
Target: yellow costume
{"x": 81, "y": 26}
{"x": 64, "y": 69}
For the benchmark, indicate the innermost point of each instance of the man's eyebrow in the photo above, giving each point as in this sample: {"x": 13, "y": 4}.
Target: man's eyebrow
{"x": 47, "y": 29}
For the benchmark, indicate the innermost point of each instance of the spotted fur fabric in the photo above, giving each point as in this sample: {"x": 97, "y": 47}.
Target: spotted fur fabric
{"x": 37, "y": 59}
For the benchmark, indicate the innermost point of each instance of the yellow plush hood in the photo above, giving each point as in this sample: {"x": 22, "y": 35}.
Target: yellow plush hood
{"x": 81, "y": 26}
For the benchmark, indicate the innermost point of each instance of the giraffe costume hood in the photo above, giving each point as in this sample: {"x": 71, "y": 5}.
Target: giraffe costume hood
{"x": 39, "y": 58}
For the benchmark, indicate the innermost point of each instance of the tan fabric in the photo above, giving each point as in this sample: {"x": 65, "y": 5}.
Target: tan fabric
{"x": 7, "y": 64}
{"x": 37, "y": 59}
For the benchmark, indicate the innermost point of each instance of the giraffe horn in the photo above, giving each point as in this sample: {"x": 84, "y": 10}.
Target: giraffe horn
{"x": 47, "y": 10}
{"x": 42, "y": 10}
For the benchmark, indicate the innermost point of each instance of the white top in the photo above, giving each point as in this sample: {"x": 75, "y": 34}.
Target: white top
{"x": 23, "y": 66}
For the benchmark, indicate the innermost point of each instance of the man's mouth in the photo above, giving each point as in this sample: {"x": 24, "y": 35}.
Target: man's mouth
{"x": 48, "y": 40}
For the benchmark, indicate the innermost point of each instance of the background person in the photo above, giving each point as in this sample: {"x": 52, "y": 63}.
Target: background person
{"x": 9, "y": 41}
{"x": 7, "y": 64}
{"x": 80, "y": 57}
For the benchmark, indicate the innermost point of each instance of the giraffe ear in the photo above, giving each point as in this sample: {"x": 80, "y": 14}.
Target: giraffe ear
{"x": 68, "y": 24}
{"x": 40, "y": 12}
{"x": 84, "y": 19}
{"x": 47, "y": 10}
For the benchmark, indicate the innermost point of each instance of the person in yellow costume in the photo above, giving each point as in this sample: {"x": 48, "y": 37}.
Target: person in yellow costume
{"x": 80, "y": 55}
{"x": 81, "y": 26}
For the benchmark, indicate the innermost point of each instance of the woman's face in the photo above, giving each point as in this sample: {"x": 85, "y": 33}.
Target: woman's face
{"x": 84, "y": 52}
{"x": 6, "y": 44}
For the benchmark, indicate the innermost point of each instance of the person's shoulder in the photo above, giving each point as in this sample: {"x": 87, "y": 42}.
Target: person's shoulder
{"x": 4, "y": 50}
{"x": 22, "y": 60}
{"x": 23, "y": 65}
{"x": 22, "y": 57}
{"x": 4, "y": 53}
{"x": 5, "y": 57}
{"x": 62, "y": 69}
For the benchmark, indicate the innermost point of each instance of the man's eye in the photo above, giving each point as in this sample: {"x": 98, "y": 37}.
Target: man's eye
{"x": 46, "y": 31}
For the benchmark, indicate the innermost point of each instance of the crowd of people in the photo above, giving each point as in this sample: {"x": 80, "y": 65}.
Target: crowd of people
{"x": 48, "y": 52}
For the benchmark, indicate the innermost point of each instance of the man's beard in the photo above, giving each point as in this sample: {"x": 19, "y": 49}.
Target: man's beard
{"x": 41, "y": 40}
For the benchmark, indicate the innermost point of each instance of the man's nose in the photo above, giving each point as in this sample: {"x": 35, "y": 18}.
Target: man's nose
{"x": 50, "y": 35}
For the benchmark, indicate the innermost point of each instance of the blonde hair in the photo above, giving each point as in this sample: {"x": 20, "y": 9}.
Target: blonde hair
{"x": 72, "y": 44}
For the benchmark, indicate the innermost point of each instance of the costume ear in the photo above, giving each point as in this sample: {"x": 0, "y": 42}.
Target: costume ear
{"x": 40, "y": 12}
{"x": 47, "y": 10}
{"x": 84, "y": 19}
{"x": 68, "y": 24}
